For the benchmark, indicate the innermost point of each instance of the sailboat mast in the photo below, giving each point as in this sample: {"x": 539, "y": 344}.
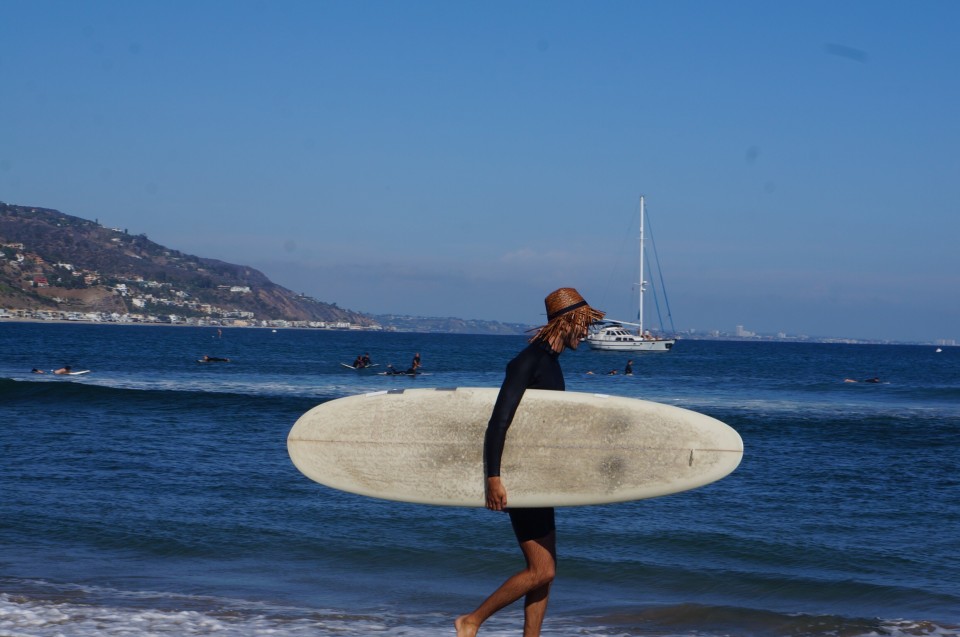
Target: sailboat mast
{"x": 642, "y": 282}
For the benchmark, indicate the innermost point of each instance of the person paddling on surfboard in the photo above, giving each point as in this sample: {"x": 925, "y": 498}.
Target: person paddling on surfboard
{"x": 536, "y": 367}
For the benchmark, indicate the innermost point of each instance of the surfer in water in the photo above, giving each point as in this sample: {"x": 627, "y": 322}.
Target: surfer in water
{"x": 414, "y": 368}
{"x": 536, "y": 367}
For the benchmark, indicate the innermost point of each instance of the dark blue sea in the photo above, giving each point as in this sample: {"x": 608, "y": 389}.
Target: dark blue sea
{"x": 154, "y": 495}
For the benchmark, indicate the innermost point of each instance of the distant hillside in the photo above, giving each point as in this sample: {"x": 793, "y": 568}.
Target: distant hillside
{"x": 57, "y": 262}
{"x": 402, "y": 323}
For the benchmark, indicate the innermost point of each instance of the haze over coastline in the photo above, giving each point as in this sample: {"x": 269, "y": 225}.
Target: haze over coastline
{"x": 431, "y": 159}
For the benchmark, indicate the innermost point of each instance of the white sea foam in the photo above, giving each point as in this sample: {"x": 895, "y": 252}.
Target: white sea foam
{"x": 20, "y": 617}
{"x": 24, "y": 617}
{"x": 252, "y": 386}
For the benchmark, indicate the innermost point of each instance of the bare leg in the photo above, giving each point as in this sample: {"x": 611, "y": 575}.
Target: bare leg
{"x": 533, "y": 583}
{"x": 534, "y": 610}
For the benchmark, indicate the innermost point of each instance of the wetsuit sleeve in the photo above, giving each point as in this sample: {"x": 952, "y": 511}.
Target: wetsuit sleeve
{"x": 520, "y": 371}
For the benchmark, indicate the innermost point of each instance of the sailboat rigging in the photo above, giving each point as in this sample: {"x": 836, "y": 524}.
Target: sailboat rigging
{"x": 613, "y": 336}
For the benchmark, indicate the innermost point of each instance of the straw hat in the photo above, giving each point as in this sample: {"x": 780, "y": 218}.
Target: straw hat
{"x": 566, "y": 310}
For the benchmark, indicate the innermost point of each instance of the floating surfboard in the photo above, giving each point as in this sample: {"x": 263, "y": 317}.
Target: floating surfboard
{"x": 562, "y": 449}
{"x": 403, "y": 373}
{"x": 370, "y": 366}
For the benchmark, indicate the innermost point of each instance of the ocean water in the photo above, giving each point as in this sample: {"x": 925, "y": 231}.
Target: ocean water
{"x": 154, "y": 496}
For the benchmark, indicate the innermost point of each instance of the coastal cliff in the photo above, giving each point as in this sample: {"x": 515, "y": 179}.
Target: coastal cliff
{"x": 60, "y": 263}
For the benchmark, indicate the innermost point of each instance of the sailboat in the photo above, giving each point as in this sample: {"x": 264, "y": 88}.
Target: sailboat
{"x": 613, "y": 336}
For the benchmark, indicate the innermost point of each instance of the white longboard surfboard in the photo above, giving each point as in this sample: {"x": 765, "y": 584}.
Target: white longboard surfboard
{"x": 562, "y": 449}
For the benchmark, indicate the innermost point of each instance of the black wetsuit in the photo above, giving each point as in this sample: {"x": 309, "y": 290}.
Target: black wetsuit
{"x": 536, "y": 367}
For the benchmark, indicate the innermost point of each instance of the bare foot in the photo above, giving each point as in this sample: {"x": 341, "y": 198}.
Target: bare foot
{"x": 464, "y": 627}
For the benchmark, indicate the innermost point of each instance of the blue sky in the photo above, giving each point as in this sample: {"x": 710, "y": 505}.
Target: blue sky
{"x": 799, "y": 161}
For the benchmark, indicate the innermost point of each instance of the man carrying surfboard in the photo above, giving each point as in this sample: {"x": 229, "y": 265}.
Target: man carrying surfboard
{"x": 536, "y": 367}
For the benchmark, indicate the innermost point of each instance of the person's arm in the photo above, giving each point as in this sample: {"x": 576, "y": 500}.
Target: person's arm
{"x": 515, "y": 383}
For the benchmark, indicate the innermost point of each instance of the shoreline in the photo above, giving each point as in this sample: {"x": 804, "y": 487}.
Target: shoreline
{"x": 394, "y": 330}
{"x": 11, "y": 319}
{"x": 279, "y": 324}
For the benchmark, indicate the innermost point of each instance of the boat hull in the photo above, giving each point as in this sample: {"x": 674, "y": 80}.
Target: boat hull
{"x": 616, "y": 338}
{"x": 639, "y": 345}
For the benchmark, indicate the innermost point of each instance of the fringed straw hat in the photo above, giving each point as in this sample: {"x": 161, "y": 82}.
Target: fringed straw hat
{"x": 566, "y": 311}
